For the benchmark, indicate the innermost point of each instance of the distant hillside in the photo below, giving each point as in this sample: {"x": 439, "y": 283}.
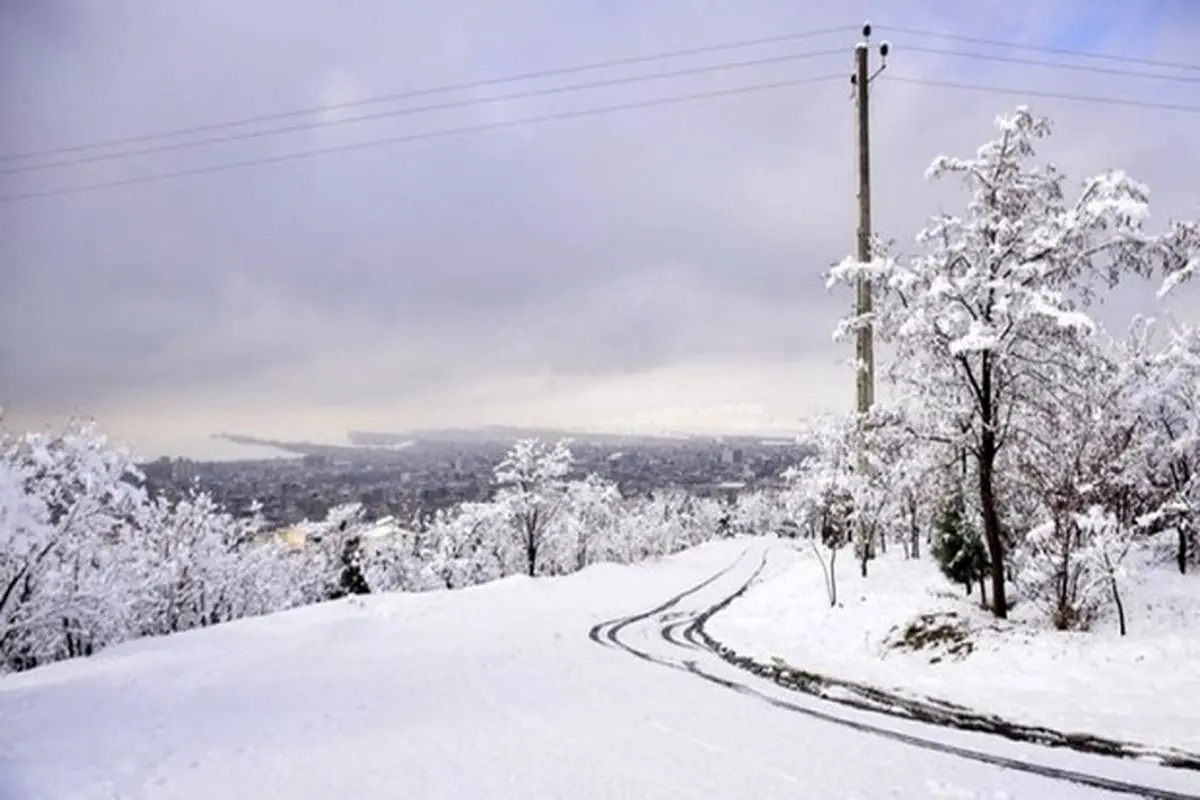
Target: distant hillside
{"x": 505, "y": 433}
{"x": 295, "y": 448}
{"x": 362, "y": 442}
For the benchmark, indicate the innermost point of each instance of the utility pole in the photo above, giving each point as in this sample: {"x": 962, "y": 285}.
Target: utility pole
{"x": 863, "y": 305}
{"x": 863, "y": 302}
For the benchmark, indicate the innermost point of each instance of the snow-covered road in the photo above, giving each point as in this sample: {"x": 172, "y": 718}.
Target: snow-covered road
{"x": 491, "y": 692}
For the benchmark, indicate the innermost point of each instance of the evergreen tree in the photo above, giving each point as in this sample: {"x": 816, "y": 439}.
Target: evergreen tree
{"x": 959, "y": 549}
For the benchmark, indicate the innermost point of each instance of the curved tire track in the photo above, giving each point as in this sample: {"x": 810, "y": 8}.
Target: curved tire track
{"x": 684, "y": 629}
{"x": 606, "y": 633}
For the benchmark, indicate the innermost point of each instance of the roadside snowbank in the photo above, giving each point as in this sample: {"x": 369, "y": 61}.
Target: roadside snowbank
{"x": 1144, "y": 687}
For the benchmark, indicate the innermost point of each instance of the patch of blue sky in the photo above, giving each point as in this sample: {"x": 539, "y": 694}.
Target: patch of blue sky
{"x": 1095, "y": 25}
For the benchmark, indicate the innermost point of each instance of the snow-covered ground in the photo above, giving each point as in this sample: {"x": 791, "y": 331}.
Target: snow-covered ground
{"x": 1144, "y": 687}
{"x": 490, "y": 692}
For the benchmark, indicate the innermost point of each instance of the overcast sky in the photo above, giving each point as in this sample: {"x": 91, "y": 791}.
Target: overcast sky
{"x": 653, "y": 269}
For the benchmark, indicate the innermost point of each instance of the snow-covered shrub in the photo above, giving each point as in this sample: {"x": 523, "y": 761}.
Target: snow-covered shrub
{"x": 197, "y": 565}
{"x": 405, "y": 561}
{"x": 590, "y": 521}
{"x": 335, "y": 561}
{"x": 473, "y": 545}
{"x": 757, "y": 513}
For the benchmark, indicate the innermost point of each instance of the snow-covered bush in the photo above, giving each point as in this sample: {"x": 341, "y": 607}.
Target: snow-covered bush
{"x": 335, "y": 563}
{"x": 196, "y": 565}
{"x": 472, "y": 545}
{"x": 591, "y": 520}
{"x": 407, "y": 561}
{"x": 757, "y": 513}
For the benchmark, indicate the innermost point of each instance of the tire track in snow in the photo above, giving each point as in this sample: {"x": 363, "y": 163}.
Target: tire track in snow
{"x": 684, "y": 630}
{"x": 606, "y": 633}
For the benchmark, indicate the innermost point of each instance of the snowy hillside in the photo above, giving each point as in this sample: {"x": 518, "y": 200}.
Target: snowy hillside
{"x": 487, "y": 692}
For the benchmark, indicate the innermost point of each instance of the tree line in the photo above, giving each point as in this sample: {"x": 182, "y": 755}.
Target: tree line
{"x": 1042, "y": 448}
{"x": 89, "y": 558}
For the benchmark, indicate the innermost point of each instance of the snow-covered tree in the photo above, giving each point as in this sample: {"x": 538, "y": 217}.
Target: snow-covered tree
{"x": 1094, "y": 453}
{"x": 758, "y": 513}
{"x": 1108, "y": 541}
{"x": 334, "y": 552}
{"x": 471, "y": 544}
{"x": 827, "y": 498}
{"x": 975, "y": 316}
{"x": 591, "y": 521}
{"x": 914, "y": 471}
{"x": 87, "y": 559}
{"x": 677, "y": 520}
{"x": 642, "y": 529}
{"x": 406, "y": 561}
{"x": 531, "y": 485}
{"x": 70, "y": 505}
{"x": 1170, "y": 402}
{"x": 197, "y": 565}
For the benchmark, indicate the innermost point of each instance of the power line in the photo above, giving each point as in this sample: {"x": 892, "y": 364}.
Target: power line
{"x": 305, "y": 154}
{"x": 420, "y": 92}
{"x": 1059, "y": 51}
{"x": 1013, "y": 90}
{"x": 1034, "y": 62}
{"x": 455, "y": 104}
{"x": 394, "y": 140}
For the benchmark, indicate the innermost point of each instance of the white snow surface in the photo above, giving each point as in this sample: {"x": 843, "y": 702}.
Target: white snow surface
{"x": 1144, "y": 687}
{"x": 489, "y": 692}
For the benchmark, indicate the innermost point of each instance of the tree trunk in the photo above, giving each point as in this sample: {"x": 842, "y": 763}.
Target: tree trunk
{"x": 987, "y": 490}
{"x": 832, "y": 579}
{"x": 1065, "y": 535}
{"x": 1116, "y": 593}
{"x": 531, "y": 545}
{"x": 914, "y": 531}
{"x": 531, "y": 558}
{"x": 1181, "y": 554}
{"x": 826, "y": 572}
{"x": 982, "y": 591}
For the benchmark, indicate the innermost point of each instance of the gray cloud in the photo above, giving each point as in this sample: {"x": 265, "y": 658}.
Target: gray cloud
{"x": 400, "y": 281}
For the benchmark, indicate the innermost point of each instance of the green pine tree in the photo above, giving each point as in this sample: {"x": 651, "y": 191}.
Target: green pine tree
{"x": 958, "y": 547}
